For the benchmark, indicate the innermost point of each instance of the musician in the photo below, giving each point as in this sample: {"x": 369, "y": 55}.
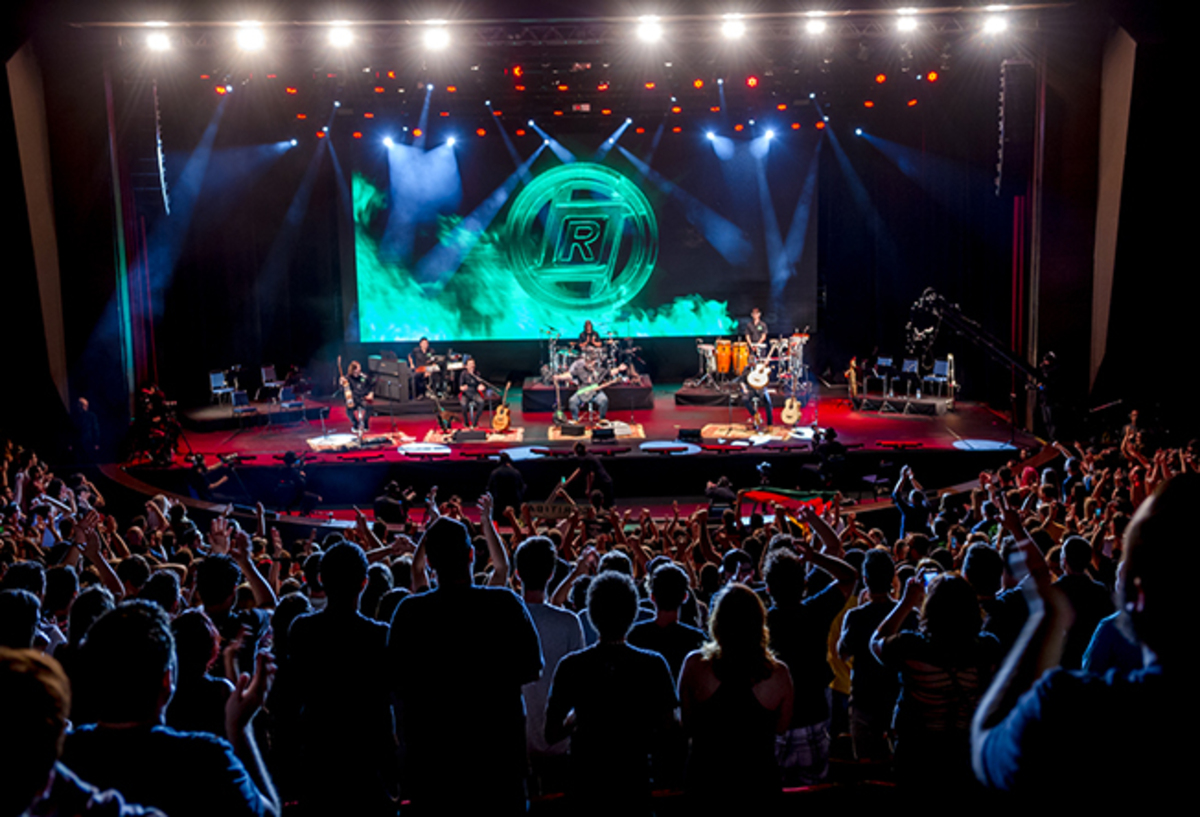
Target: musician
{"x": 419, "y": 358}
{"x": 751, "y": 396}
{"x": 473, "y": 393}
{"x": 589, "y": 338}
{"x": 755, "y": 331}
{"x": 362, "y": 392}
{"x": 586, "y": 371}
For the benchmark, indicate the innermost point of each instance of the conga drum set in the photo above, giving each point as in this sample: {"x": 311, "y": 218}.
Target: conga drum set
{"x": 723, "y": 361}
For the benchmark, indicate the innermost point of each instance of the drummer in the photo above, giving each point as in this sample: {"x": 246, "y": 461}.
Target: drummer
{"x": 589, "y": 338}
{"x": 755, "y": 330}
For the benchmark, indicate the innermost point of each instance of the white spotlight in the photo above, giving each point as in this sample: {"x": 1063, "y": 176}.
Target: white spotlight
{"x": 451, "y": 141}
{"x": 340, "y": 36}
{"x": 158, "y": 41}
{"x": 906, "y": 22}
{"x": 437, "y": 36}
{"x": 337, "y": 103}
{"x": 732, "y": 26}
{"x": 294, "y": 142}
{"x": 815, "y": 26}
{"x": 250, "y": 36}
{"x": 770, "y": 134}
{"x": 649, "y": 30}
{"x": 858, "y": 131}
{"x": 995, "y": 24}
{"x": 387, "y": 142}
{"x": 710, "y": 136}
{"x": 529, "y": 123}
{"x": 628, "y": 121}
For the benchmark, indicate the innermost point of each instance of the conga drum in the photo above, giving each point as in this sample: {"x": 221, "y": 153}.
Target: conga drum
{"x": 724, "y": 356}
{"x": 741, "y": 357}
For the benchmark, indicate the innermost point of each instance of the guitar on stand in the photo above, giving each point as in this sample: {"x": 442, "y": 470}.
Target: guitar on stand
{"x": 502, "y": 419}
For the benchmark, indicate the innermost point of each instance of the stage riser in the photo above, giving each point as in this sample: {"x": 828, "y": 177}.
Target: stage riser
{"x": 900, "y": 405}
{"x": 536, "y": 396}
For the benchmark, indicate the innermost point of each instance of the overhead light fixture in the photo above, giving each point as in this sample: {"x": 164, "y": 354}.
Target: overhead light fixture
{"x": 436, "y": 36}
{"x": 649, "y": 30}
{"x": 250, "y": 36}
{"x": 340, "y": 35}
{"x": 732, "y": 26}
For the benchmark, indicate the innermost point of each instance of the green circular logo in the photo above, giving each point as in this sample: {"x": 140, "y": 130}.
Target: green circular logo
{"x": 582, "y": 236}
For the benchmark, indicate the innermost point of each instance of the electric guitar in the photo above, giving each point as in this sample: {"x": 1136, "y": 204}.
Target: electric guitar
{"x": 502, "y": 419}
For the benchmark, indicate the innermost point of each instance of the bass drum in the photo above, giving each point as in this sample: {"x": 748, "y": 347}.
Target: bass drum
{"x": 724, "y": 356}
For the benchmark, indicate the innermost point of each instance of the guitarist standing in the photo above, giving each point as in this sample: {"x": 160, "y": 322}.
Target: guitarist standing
{"x": 358, "y": 391}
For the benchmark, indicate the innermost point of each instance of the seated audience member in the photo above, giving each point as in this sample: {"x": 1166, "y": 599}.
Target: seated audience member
{"x": 1113, "y": 739}
{"x": 735, "y": 699}
{"x": 31, "y": 739}
{"x": 621, "y": 698}
{"x": 128, "y": 657}
{"x": 560, "y": 634}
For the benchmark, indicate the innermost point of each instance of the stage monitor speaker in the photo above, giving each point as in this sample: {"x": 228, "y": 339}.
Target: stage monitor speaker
{"x": 606, "y": 434}
{"x": 572, "y": 430}
{"x": 689, "y": 435}
{"x": 470, "y": 435}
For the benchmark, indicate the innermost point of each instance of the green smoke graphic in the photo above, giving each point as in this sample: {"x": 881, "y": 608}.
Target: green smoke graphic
{"x": 483, "y": 299}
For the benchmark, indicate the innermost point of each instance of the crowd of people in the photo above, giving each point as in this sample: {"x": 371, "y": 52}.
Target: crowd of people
{"x": 1021, "y": 637}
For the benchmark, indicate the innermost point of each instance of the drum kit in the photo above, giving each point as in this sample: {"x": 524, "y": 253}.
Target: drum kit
{"x": 612, "y": 354}
{"x": 723, "y": 361}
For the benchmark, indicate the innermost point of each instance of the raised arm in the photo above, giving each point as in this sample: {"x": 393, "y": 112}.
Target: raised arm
{"x": 496, "y": 550}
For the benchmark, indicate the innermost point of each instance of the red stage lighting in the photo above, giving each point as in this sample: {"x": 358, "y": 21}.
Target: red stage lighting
{"x": 220, "y": 89}
{"x": 912, "y": 103}
{"x": 868, "y": 104}
{"x": 558, "y": 113}
{"x": 820, "y": 125}
{"x": 444, "y": 113}
{"x": 452, "y": 89}
{"x": 391, "y": 74}
{"x": 520, "y": 131}
{"x": 881, "y": 78}
{"x": 497, "y": 113}
{"x": 562, "y": 87}
{"x": 480, "y": 132}
{"x": 715, "y": 109}
{"x": 782, "y": 106}
{"x": 368, "y": 115}
{"x": 650, "y": 86}
{"x": 739, "y": 127}
{"x": 289, "y": 90}
{"x": 302, "y": 116}
{"x": 751, "y": 81}
{"x": 932, "y": 76}
{"x": 697, "y": 84}
{"x": 518, "y": 71}
{"x": 676, "y": 129}
{"x": 795, "y": 126}
{"x": 520, "y": 87}
{"x": 205, "y": 76}
{"x": 379, "y": 89}
{"x": 320, "y": 134}
{"x": 357, "y": 134}
{"x": 676, "y": 109}
{"x": 639, "y": 130}
{"x": 418, "y": 133}
{"x": 603, "y": 86}
{"x": 606, "y": 111}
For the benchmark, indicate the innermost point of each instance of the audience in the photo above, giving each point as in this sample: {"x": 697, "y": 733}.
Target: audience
{"x": 411, "y": 672}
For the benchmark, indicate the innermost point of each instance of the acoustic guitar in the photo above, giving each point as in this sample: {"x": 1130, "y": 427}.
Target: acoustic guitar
{"x": 791, "y": 412}
{"x": 502, "y": 419}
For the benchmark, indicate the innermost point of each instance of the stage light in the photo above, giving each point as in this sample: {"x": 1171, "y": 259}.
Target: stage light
{"x": 337, "y": 103}
{"x": 906, "y": 22}
{"x": 994, "y": 24}
{"x": 250, "y": 36}
{"x": 715, "y": 109}
{"x": 561, "y": 87}
{"x": 521, "y": 131}
{"x": 387, "y": 142}
{"x": 815, "y": 26}
{"x": 357, "y": 134}
{"x": 558, "y": 113}
{"x": 302, "y": 116}
{"x": 451, "y": 142}
{"x": 676, "y": 129}
{"x": 520, "y": 87}
{"x": 932, "y": 76}
{"x": 868, "y": 103}
{"x": 603, "y": 86}
{"x": 606, "y": 111}
{"x": 720, "y": 80}
{"x": 480, "y": 132}
{"x": 340, "y": 36}
{"x": 290, "y": 90}
{"x": 770, "y": 134}
{"x": 436, "y": 37}
{"x": 710, "y": 136}
{"x": 379, "y": 89}
{"x": 518, "y": 71}
{"x": 452, "y": 89}
{"x": 676, "y": 109}
{"x": 650, "y": 86}
{"x": 820, "y": 126}
{"x": 158, "y": 42}
{"x": 782, "y": 106}
{"x": 732, "y": 27}
{"x": 880, "y": 79}
{"x": 529, "y": 123}
{"x": 628, "y": 120}
{"x": 497, "y": 113}
{"x": 795, "y": 126}
{"x": 325, "y": 129}
{"x": 368, "y": 115}
{"x": 912, "y": 103}
{"x": 221, "y": 90}
{"x": 739, "y": 127}
{"x": 320, "y": 134}
{"x": 295, "y": 142}
{"x": 639, "y": 130}
{"x": 649, "y": 30}
{"x": 443, "y": 113}
{"x": 697, "y": 84}
{"x": 751, "y": 81}
{"x": 418, "y": 133}
{"x": 858, "y": 131}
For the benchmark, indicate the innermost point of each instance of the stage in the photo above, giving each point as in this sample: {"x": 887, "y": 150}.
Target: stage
{"x": 654, "y": 454}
